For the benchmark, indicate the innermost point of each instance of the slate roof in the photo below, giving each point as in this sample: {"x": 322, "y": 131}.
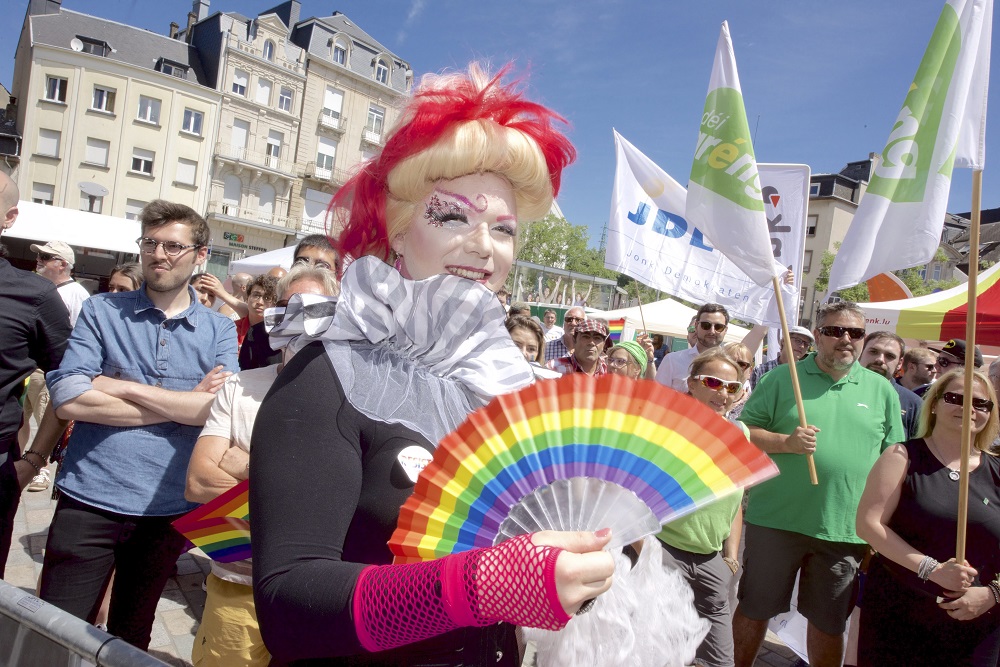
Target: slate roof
{"x": 341, "y": 23}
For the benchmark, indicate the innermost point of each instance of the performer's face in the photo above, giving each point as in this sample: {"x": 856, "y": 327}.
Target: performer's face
{"x": 466, "y": 227}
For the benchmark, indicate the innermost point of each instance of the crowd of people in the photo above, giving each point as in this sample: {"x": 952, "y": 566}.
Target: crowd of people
{"x": 317, "y": 382}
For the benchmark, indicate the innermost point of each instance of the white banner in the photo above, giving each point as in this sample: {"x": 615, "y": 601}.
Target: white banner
{"x": 649, "y": 239}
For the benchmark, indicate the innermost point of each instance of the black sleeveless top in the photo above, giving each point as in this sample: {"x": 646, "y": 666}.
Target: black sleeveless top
{"x": 927, "y": 515}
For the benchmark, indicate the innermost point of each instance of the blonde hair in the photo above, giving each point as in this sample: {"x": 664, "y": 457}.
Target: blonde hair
{"x": 716, "y": 354}
{"x": 928, "y": 419}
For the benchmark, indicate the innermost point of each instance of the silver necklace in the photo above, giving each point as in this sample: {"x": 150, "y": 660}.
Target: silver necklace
{"x": 953, "y": 474}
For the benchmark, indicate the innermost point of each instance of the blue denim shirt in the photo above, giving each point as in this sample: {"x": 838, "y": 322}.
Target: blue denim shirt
{"x": 140, "y": 470}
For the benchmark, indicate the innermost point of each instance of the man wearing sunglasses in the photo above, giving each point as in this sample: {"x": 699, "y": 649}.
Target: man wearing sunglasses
{"x": 563, "y": 346}
{"x": 919, "y": 368}
{"x": 951, "y": 356}
{"x": 139, "y": 376}
{"x": 793, "y": 526}
{"x": 801, "y": 342}
{"x": 710, "y": 324}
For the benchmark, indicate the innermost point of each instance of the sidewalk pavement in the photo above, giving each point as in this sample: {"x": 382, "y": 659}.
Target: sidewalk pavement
{"x": 179, "y": 610}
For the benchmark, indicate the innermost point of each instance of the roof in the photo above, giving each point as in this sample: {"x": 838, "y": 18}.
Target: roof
{"x": 131, "y": 45}
{"x": 341, "y": 23}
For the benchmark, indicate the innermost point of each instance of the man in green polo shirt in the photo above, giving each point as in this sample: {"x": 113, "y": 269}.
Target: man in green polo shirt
{"x": 793, "y": 526}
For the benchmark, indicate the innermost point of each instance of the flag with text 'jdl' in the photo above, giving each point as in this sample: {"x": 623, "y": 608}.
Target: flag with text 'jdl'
{"x": 942, "y": 125}
{"x": 724, "y": 193}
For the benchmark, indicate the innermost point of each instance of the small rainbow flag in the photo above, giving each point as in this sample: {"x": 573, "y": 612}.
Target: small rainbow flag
{"x": 221, "y": 527}
{"x": 615, "y": 329}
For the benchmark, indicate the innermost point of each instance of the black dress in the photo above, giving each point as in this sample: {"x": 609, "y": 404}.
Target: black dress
{"x": 901, "y": 623}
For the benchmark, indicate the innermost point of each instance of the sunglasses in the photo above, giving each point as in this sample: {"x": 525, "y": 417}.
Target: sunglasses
{"x": 715, "y": 384}
{"x": 946, "y": 363}
{"x": 708, "y": 326}
{"x": 572, "y": 319}
{"x": 856, "y": 333}
{"x": 315, "y": 263}
{"x": 744, "y": 365}
{"x": 978, "y": 404}
{"x": 45, "y": 257}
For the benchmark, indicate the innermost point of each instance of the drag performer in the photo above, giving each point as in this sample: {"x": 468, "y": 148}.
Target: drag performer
{"x": 416, "y": 341}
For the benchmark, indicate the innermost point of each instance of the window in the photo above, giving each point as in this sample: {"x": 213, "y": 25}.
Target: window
{"x": 314, "y": 211}
{"x": 807, "y": 261}
{"x": 240, "y": 80}
{"x": 811, "y": 222}
{"x": 326, "y": 154}
{"x": 173, "y": 69}
{"x": 814, "y": 189}
{"x": 382, "y": 72}
{"x": 142, "y": 161}
{"x": 48, "y": 142}
{"x": 104, "y": 99}
{"x": 263, "y": 91}
{"x": 373, "y": 126}
{"x": 192, "y": 121}
{"x": 133, "y": 207}
{"x": 269, "y": 50}
{"x": 241, "y": 130}
{"x": 273, "y": 150}
{"x": 97, "y": 152}
{"x": 333, "y": 103}
{"x": 186, "y": 171}
{"x": 55, "y": 89}
{"x": 285, "y": 99}
{"x": 94, "y": 46}
{"x": 339, "y": 54}
{"x": 149, "y": 110}
{"x": 42, "y": 193}
{"x": 937, "y": 272}
{"x": 231, "y": 193}
{"x": 802, "y": 300}
{"x": 85, "y": 204}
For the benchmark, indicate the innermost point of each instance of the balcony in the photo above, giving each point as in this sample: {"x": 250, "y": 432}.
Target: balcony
{"x": 249, "y": 216}
{"x": 246, "y": 47}
{"x": 241, "y": 155}
{"x": 372, "y": 138}
{"x": 332, "y": 121}
{"x": 319, "y": 173}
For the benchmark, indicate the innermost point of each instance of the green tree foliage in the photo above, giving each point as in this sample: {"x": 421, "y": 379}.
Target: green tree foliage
{"x": 859, "y": 293}
{"x": 552, "y": 241}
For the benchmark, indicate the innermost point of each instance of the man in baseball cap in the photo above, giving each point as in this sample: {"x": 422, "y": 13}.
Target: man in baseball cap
{"x": 588, "y": 348}
{"x": 56, "y": 249}
{"x": 798, "y": 347}
{"x": 951, "y": 356}
{"x": 54, "y": 261}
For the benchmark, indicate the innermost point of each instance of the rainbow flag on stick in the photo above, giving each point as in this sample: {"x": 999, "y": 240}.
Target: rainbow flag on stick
{"x": 221, "y": 528}
{"x": 615, "y": 329}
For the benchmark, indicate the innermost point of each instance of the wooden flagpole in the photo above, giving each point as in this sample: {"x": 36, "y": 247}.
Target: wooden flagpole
{"x": 776, "y": 282}
{"x": 970, "y": 357}
{"x": 638, "y": 297}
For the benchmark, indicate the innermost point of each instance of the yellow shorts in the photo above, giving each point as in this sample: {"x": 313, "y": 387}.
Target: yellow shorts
{"x": 229, "y": 633}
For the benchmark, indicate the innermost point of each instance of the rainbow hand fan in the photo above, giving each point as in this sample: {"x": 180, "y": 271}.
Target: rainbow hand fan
{"x": 574, "y": 454}
{"x": 221, "y": 527}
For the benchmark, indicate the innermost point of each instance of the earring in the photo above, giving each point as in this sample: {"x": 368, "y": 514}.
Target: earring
{"x": 398, "y": 264}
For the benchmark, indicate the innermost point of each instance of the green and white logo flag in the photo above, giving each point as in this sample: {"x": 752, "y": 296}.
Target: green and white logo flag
{"x": 942, "y": 125}
{"x": 724, "y": 194}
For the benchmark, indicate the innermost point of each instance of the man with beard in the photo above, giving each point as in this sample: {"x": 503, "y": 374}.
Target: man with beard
{"x": 919, "y": 368}
{"x": 793, "y": 526}
{"x": 139, "y": 376}
{"x": 883, "y": 353}
{"x": 588, "y": 348}
{"x": 710, "y": 324}
{"x": 563, "y": 346}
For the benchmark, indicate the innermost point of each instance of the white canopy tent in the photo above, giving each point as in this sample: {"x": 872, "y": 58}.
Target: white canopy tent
{"x": 262, "y": 263}
{"x": 37, "y": 222}
{"x": 668, "y": 317}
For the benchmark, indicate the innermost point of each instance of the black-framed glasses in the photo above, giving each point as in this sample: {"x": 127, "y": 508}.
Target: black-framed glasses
{"x": 856, "y": 333}
{"x": 170, "y": 248}
{"x": 572, "y": 319}
{"x": 616, "y": 362}
{"x": 978, "y": 404}
{"x": 715, "y": 384}
{"x": 800, "y": 342}
{"x": 944, "y": 362}
{"x": 708, "y": 326}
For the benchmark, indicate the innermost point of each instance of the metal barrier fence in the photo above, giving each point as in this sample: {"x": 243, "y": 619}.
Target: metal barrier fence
{"x": 33, "y": 632}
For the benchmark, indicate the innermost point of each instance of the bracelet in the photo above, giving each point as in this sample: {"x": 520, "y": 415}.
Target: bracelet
{"x": 995, "y": 589}
{"x": 38, "y": 468}
{"x": 926, "y": 568}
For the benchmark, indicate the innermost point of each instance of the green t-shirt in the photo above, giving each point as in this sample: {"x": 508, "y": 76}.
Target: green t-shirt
{"x": 858, "y": 417}
{"x": 704, "y": 530}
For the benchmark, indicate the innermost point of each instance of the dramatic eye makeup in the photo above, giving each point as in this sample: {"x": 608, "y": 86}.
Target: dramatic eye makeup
{"x": 450, "y": 210}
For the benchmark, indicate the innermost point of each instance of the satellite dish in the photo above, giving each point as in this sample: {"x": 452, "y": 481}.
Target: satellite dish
{"x": 93, "y": 189}
{"x": 76, "y": 44}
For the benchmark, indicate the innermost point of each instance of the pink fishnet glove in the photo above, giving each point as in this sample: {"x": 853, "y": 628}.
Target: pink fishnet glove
{"x": 514, "y": 582}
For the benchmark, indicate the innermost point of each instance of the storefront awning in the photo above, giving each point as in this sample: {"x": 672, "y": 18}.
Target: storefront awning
{"x": 37, "y": 222}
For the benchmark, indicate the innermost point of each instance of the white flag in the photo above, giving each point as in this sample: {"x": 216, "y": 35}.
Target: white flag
{"x": 724, "y": 192}
{"x": 942, "y": 125}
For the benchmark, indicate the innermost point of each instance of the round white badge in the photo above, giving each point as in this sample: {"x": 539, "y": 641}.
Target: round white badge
{"x": 414, "y": 459}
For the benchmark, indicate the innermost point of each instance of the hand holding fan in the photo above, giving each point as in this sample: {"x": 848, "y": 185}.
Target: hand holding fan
{"x": 574, "y": 454}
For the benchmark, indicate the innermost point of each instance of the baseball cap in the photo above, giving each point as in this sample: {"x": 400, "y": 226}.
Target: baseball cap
{"x": 57, "y": 248}
{"x": 956, "y": 348}
{"x": 802, "y": 331}
{"x": 588, "y": 326}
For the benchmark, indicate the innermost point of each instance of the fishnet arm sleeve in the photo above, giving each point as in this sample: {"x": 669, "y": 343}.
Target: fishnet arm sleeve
{"x": 395, "y": 605}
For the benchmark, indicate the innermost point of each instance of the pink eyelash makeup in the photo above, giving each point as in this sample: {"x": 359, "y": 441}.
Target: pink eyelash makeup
{"x": 439, "y": 211}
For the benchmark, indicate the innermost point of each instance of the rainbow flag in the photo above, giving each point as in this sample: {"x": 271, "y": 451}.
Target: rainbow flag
{"x": 221, "y": 527}
{"x": 615, "y": 328}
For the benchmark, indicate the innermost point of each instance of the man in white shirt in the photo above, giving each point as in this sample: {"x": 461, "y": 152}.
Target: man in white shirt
{"x": 549, "y": 327}
{"x": 711, "y": 322}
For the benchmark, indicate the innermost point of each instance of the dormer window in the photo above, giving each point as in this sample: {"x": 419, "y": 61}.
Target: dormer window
{"x": 382, "y": 72}
{"x": 171, "y": 68}
{"x": 269, "y": 50}
{"x": 96, "y": 47}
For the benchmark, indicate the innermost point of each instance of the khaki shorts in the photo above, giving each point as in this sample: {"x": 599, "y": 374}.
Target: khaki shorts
{"x": 229, "y": 633}
{"x": 827, "y": 572}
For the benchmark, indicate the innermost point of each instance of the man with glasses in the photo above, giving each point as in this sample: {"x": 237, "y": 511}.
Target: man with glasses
{"x": 793, "y": 527}
{"x": 710, "y": 324}
{"x": 317, "y": 251}
{"x": 139, "y": 376}
{"x": 802, "y": 341}
{"x": 563, "y": 346}
{"x": 950, "y": 357}
{"x": 919, "y": 368}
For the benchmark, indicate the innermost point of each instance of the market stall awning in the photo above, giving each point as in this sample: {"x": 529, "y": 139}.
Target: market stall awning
{"x": 667, "y": 316}
{"x": 37, "y": 222}
{"x": 942, "y": 315}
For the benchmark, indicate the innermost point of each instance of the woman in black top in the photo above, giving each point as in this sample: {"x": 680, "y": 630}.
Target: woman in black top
{"x": 415, "y": 342}
{"x": 921, "y": 607}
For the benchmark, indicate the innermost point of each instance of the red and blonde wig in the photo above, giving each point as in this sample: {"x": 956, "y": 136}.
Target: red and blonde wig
{"x": 455, "y": 125}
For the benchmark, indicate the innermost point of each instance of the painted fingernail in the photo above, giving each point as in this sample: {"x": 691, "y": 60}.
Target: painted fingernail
{"x": 603, "y": 532}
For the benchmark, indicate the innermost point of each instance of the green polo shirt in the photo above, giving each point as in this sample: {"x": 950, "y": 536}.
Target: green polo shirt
{"x": 858, "y": 416}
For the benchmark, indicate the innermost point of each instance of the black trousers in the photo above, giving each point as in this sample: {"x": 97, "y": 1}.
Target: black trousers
{"x": 10, "y": 495}
{"x": 86, "y": 544}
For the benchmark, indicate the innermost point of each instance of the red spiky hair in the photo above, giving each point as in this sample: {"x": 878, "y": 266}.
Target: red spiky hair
{"x": 434, "y": 111}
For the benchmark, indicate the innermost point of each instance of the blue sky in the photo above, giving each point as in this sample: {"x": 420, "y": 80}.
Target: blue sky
{"x": 822, "y": 82}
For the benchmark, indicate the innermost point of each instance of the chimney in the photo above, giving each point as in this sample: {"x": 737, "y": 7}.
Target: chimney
{"x": 200, "y": 9}
{"x": 192, "y": 17}
{"x": 173, "y": 30}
